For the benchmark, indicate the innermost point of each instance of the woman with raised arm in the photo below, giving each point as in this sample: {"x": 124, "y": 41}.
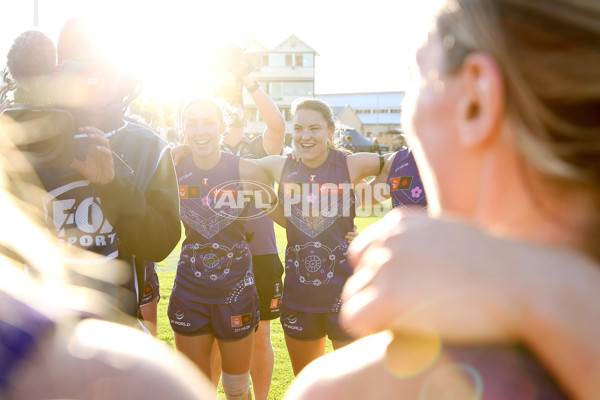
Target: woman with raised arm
{"x": 317, "y": 199}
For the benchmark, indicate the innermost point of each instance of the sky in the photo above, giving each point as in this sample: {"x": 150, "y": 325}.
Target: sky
{"x": 363, "y": 46}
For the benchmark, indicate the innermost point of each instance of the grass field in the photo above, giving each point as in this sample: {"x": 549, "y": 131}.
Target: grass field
{"x": 282, "y": 374}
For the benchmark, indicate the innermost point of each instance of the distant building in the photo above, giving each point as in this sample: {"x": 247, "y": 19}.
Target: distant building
{"x": 287, "y": 72}
{"x": 380, "y": 114}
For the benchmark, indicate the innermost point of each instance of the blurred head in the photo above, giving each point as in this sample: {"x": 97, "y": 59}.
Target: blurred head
{"x": 203, "y": 126}
{"x": 31, "y": 60}
{"x": 77, "y": 40}
{"x": 95, "y": 81}
{"x": 522, "y": 75}
{"x": 314, "y": 127}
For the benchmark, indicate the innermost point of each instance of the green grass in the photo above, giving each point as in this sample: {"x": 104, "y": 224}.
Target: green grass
{"x": 282, "y": 373}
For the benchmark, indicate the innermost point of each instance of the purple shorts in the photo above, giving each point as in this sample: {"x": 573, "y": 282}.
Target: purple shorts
{"x": 152, "y": 287}
{"x": 225, "y": 321}
{"x": 301, "y": 325}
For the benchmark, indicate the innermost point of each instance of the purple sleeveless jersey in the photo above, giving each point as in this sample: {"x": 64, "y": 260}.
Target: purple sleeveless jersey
{"x": 260, "y": 231}
{"x": 319, "y": 209}
{"x": 405, "y": 183}
{"x": 215, "y": 265}
{"x": 494, "y": 372}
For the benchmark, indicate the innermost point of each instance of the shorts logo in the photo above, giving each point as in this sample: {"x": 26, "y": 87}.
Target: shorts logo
{"x": 292, "y": 319}
{"x": 275, "y": 303}
{"x": 401, "y": 183}
{"x": 240, "y": 320}
{"x": 179, "y": 314}
{"x": 148, "y": 289}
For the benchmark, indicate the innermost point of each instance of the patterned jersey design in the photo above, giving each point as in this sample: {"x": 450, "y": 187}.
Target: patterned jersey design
{"x": 219, "y": 212}
{"x": 317, "y": 210}
{"x": 314, "y": 263}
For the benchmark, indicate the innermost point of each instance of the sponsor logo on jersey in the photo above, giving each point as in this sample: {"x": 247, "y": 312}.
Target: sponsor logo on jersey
{"x": 183, "y": 192}
{"x": 78, "y": 220}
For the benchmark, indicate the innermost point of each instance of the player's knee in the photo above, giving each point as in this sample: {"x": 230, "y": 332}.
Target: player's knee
{"x": 236, "y": 386}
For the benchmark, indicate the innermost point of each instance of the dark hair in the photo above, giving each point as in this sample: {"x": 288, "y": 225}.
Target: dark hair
{"x": 322, "y": 107}
{"x": 32, "y": 54}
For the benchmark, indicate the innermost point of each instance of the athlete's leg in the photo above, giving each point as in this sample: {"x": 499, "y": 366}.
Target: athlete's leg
{"x": 235, "y": 358}
{"x": 302, "y": 352}
{"x": 236, "y": 355}
{"x": 216, "y": 364}
{"x": 263, "y": 361}
{"x": 267, "y": 275}
{"x": 149, "y": 314}
{"x": 197, "y": 349}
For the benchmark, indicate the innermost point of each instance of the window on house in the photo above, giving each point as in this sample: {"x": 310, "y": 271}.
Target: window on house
{"x": 298, "y": 60}
{"x": 276, "y": 60}
{"x": 291, "y": 89}
{"x": 308, "y": 60}
{"x": 288, "y": 60}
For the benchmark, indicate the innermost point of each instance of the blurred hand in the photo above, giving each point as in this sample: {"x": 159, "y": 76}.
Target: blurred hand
{"x": 295, "y": 155}
{"x": 350, "y": 236}
{"x": 180, "y": 152}
{"x": 98, "y": 166}
{"x": 428, "y": 276}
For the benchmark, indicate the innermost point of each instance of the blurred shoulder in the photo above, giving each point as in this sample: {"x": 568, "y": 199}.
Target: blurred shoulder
{"x": 356, "y": 371}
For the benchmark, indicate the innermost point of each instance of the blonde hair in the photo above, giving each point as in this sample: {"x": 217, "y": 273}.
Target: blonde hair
{"x": 548, "y": 52}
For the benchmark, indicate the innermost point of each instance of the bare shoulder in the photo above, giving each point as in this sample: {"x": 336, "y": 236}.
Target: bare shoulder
{"x": 356, "y": 371}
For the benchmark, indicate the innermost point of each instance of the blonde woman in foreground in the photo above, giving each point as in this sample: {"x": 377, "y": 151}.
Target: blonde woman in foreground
{"x": 497, "y": 300}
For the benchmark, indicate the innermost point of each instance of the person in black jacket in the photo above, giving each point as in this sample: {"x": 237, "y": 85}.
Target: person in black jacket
{"x": 118, "y": 197}
{"x": 130, "y": 167}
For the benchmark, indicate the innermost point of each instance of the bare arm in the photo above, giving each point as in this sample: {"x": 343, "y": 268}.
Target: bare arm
{"x": 475, "y": 288}
{"x": 364, "y": 165}
{"x": 272, "y": 166}
{"x": 378, "y": 189}
{"x": 259, "y": 184}
{"x": 274, "y": 134}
